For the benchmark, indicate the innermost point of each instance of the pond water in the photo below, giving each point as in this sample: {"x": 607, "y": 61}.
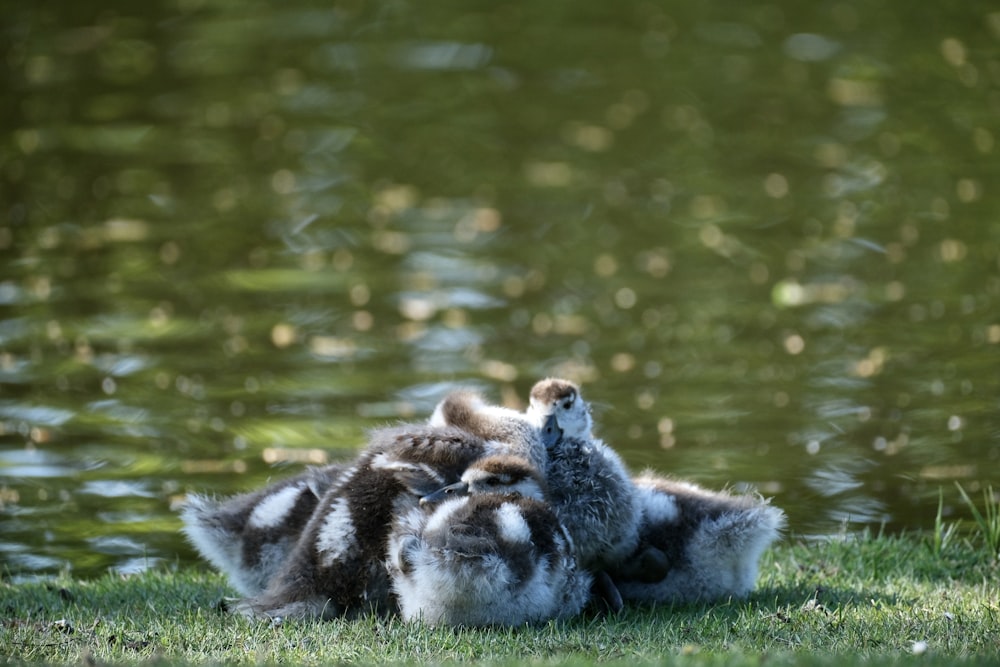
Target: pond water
{"x": 765, "y": 236}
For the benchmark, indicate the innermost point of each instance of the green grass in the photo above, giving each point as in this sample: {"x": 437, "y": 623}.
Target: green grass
{"x": 871, "y": 599}
{"x": 987, "y": 520}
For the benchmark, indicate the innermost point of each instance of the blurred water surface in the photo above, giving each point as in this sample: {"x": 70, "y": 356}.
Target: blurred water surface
{"x": 765, "y": 236}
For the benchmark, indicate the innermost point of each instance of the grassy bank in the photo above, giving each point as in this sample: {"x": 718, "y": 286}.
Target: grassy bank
{"x": 892, "y": 600}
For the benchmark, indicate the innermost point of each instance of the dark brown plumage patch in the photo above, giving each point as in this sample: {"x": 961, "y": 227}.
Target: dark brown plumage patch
{"x": 510, "y": 468}
{"x": 543, "y": 524}
{"x": 255, "y": 539}
{"x": 457, "y": 410}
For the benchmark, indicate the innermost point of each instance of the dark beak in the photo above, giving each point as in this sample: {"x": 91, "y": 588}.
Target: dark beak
{"x": 451, "y": 491}
{"x": 551, "y": 433}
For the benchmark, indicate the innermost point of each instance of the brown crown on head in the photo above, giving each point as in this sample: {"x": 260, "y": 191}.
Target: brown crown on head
{"x": 551, "y": 390}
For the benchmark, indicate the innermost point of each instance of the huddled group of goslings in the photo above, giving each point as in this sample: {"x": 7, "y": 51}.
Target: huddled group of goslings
{"x": 483, "y": 516}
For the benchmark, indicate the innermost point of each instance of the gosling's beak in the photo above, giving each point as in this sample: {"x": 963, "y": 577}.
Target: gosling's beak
{"x": 450, "y": 491}
{"x": 551, "y": 433}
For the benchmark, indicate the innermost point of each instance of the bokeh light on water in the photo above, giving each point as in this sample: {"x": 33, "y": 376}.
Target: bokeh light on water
{"x": 235, "y": 237}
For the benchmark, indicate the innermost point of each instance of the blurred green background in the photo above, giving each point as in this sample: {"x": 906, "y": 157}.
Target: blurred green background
{"x": 764, "y": 235}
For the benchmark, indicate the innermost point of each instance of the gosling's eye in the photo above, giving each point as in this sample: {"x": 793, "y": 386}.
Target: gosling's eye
{"x": 567, "y": 405}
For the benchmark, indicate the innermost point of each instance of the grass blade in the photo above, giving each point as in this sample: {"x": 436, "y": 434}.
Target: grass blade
{"x": 988, "y": 520}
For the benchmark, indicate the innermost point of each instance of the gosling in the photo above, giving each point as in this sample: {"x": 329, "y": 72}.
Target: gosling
{"x": 337, "y": 565}
{"x": 487, "y": 551}
{"x": 706, "y": 544}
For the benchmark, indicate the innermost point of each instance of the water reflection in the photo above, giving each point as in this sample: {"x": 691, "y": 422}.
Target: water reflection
{"x": 34, "y": 463}
{"x": 841, "y": 486}
{"x": 238, "y": 242}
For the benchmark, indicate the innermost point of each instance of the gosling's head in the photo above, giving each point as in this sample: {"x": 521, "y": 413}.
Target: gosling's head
{"x": 502, "y": 474}
{"x": 555, "y": 397}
